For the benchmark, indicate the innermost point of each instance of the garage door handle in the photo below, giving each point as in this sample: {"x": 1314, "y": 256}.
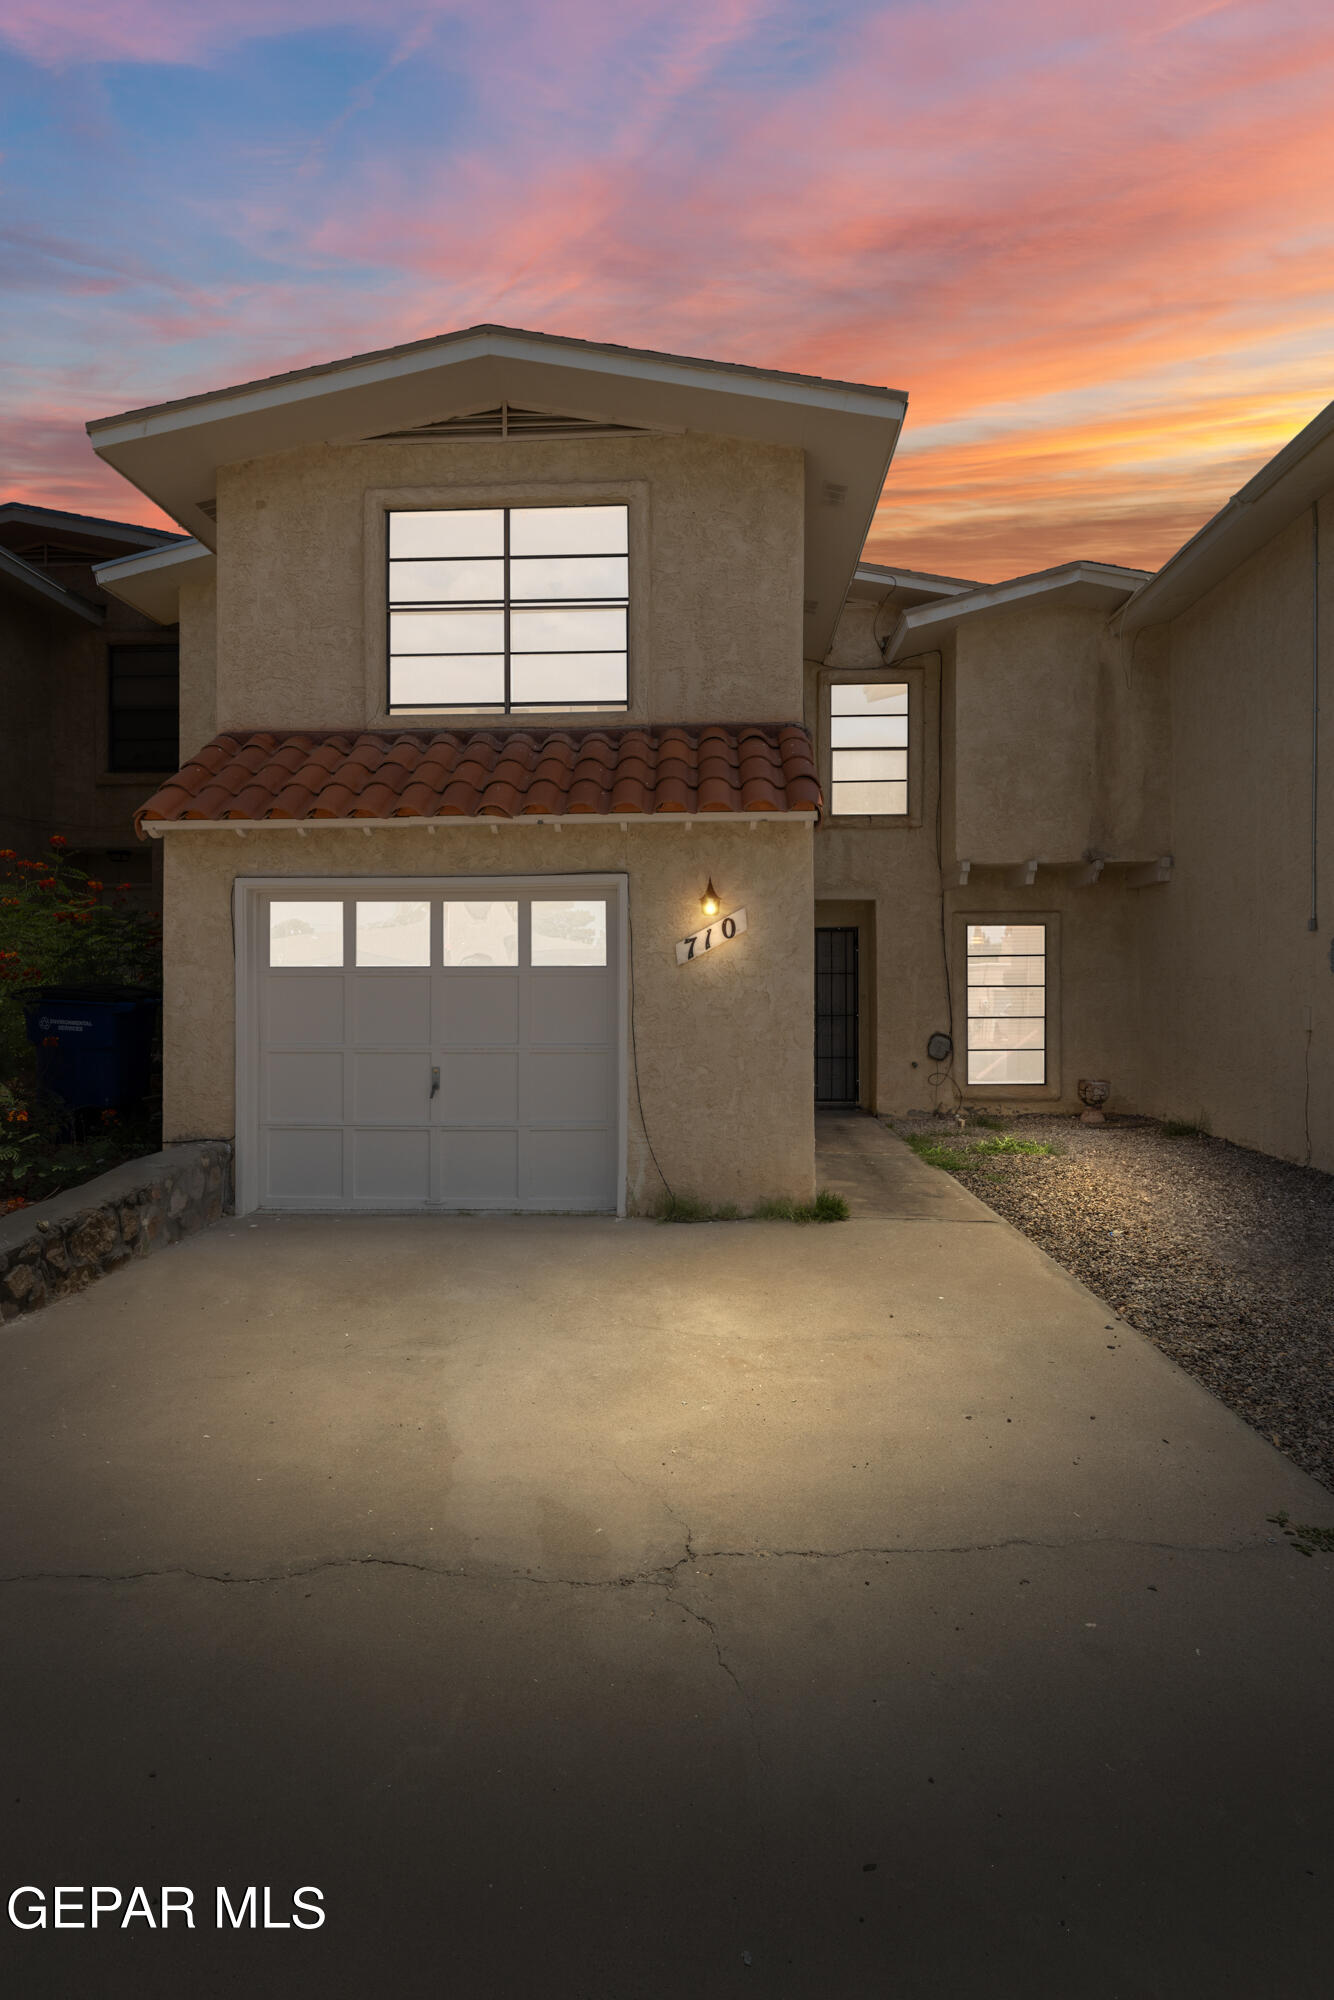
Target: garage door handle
{"x": 435, "y": 1081}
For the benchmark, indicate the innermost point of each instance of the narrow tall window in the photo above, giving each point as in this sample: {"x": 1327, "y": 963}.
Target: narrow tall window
{"x": 507, "y": 610}
{"x": 868, "y": 736}
{"x": 1007, "y": 1003}
{"x": 144, "y": 708}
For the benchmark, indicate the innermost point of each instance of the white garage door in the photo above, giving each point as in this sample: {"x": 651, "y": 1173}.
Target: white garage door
{"x": 450, "y": 1046}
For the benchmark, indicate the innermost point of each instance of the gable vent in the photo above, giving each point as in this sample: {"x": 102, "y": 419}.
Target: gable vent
{"x": 509, "y": 422}
{"x": 208, "y": 508}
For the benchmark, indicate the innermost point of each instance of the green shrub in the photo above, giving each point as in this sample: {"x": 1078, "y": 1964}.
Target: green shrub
{"x": 60, "y": 926}
{"x": 967, "y": 1157}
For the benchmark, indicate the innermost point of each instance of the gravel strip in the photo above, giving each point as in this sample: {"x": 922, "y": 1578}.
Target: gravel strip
{"x": 1224, "y": 1258}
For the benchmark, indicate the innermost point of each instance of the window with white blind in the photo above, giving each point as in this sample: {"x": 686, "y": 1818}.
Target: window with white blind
{"x": 507, "y": 610}
{"x": 868, "y": 747}
{"x": 1007, "y": 1003}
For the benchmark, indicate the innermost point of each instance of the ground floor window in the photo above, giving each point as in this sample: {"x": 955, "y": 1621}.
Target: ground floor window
{"x": 1007, "y": 1003}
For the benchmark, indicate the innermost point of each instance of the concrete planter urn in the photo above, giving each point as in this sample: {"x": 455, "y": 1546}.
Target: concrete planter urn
{"x": 1094, "y": 1092}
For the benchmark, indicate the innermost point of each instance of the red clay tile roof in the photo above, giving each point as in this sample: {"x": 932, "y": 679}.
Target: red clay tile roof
{"x": 492, "y": 773}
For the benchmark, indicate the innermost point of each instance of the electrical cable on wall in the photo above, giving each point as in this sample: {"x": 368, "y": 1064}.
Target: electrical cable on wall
{"x": 634, "y": 1048}
{"x": 945, "y": 1073}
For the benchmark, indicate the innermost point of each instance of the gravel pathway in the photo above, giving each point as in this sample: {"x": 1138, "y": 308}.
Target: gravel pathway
{"x": 1224, "y": 1258}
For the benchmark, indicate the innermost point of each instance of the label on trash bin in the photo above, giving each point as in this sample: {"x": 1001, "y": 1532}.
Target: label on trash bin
{"x": 48, "y": 1022}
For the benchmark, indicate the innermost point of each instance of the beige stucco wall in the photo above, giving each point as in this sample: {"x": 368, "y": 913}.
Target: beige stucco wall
{"x": 199, "y": 662}
{"x": 1058, "y": 732}
{"x": 888, "y": 879}
{"x": 716, "y": 569}
{"x": 1239, "y": 993}
{"x": 724, "y": 1045}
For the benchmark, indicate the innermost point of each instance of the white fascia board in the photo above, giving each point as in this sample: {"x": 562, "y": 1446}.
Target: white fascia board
{"x": 151, "y": 582}
{"x": 1289, "y": 483}
{"x": 871, "y": 581}
{"x": 915, "y": 579}
{"x": 854, "y": 399}
{"x": 16, "y": 571}
{"x": 95, "y": 525}
{"x": 155, "y": 828}
{"x": 1097, "y": 586}
{"x": 846, "y": 431}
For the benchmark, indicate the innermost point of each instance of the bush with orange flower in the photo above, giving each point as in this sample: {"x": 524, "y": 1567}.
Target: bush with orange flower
{"x": 62, "y": 927}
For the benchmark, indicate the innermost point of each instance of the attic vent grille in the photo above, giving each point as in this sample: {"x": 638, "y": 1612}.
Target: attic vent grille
{"x": 40, "y": 555}
{"x": 507, "y": 421}
{"x": 209, "y": 508}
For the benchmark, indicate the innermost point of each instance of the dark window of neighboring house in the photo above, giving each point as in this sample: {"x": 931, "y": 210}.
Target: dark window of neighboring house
{"x": 145, "y": 708}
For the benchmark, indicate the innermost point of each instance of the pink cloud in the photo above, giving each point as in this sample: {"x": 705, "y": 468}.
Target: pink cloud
{"x": 1094, "y": 248}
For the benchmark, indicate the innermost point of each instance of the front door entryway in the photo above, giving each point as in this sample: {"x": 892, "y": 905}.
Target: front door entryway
{"x": 836, "y": 1019}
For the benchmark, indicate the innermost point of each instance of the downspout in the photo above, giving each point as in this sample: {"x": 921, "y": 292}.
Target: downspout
{"x": 1313, "y": 921}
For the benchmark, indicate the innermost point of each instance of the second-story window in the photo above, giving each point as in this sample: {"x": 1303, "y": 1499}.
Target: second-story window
{"x": 502, "y": 610}
{"x": 144, "y": 708}
{"x": 868, "y": 753}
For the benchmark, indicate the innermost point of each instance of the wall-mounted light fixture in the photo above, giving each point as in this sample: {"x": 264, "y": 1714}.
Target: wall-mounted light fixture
{"x": 708, "y": 902}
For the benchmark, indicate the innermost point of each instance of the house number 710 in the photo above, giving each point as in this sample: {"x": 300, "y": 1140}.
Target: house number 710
{"x": 721, "y": 931}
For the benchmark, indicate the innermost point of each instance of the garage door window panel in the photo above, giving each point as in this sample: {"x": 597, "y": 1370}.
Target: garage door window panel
{"x": 305, "y": 934}
{"x": 477, "y": 935}
{"x": 393, "y": 934}
{"x": 569, "y": 933}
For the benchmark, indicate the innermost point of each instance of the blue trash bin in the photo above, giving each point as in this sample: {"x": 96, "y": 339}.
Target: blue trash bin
{"x": 94, "y": 1043}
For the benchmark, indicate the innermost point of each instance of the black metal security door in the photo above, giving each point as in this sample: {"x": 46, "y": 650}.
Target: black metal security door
{"x": 836, "y": 1038}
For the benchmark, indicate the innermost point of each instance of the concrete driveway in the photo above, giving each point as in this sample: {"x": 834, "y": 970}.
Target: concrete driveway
{"x": 605, "y": 1609}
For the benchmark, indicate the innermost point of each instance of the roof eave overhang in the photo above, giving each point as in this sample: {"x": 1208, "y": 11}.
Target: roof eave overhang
{"x": 1293, "y": 480}
{"x": 873, "y": 584}
{"x": 1082, "y": 586}
{"x": 155, "y": 827}
{"x": 846, "y": 431}
{"x": 151, "y": 583}
{"x": 96, "y": 526}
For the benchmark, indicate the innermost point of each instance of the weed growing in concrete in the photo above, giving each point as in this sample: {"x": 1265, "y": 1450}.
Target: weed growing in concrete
{"x": 685, "y": 1208}
{"x": 951, "y": 1159}
{"x": 967, "y": 1157}
{"x": 826, "y": 1207}
{"x": 1308, "y": 1540}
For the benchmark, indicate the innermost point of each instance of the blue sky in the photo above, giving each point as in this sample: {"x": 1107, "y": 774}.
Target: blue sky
{"x": 1094, "y": 250}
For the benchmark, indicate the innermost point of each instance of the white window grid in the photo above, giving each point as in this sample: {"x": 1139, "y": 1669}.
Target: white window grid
{"x": 490, "y": 621}
{"x": 1007, "y": 1004}
{"x": 868, "y": 748}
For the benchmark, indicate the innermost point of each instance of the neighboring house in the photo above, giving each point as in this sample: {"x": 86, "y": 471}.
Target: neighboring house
{"x": 502, "y": 653}
{"x": 87, "y": 691}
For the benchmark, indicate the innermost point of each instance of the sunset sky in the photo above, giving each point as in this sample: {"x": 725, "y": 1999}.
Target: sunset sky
{"x": 1092, "y": 243}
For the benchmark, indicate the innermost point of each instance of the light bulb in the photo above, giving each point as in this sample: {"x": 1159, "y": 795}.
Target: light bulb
{"x": 708, "y": 902}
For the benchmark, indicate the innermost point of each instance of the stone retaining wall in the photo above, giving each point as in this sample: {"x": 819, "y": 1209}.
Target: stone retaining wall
{"x": 66, "y": 1243}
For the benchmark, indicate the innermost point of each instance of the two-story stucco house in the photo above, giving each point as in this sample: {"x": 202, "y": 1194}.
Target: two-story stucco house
{"x": 566, "y": 809}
